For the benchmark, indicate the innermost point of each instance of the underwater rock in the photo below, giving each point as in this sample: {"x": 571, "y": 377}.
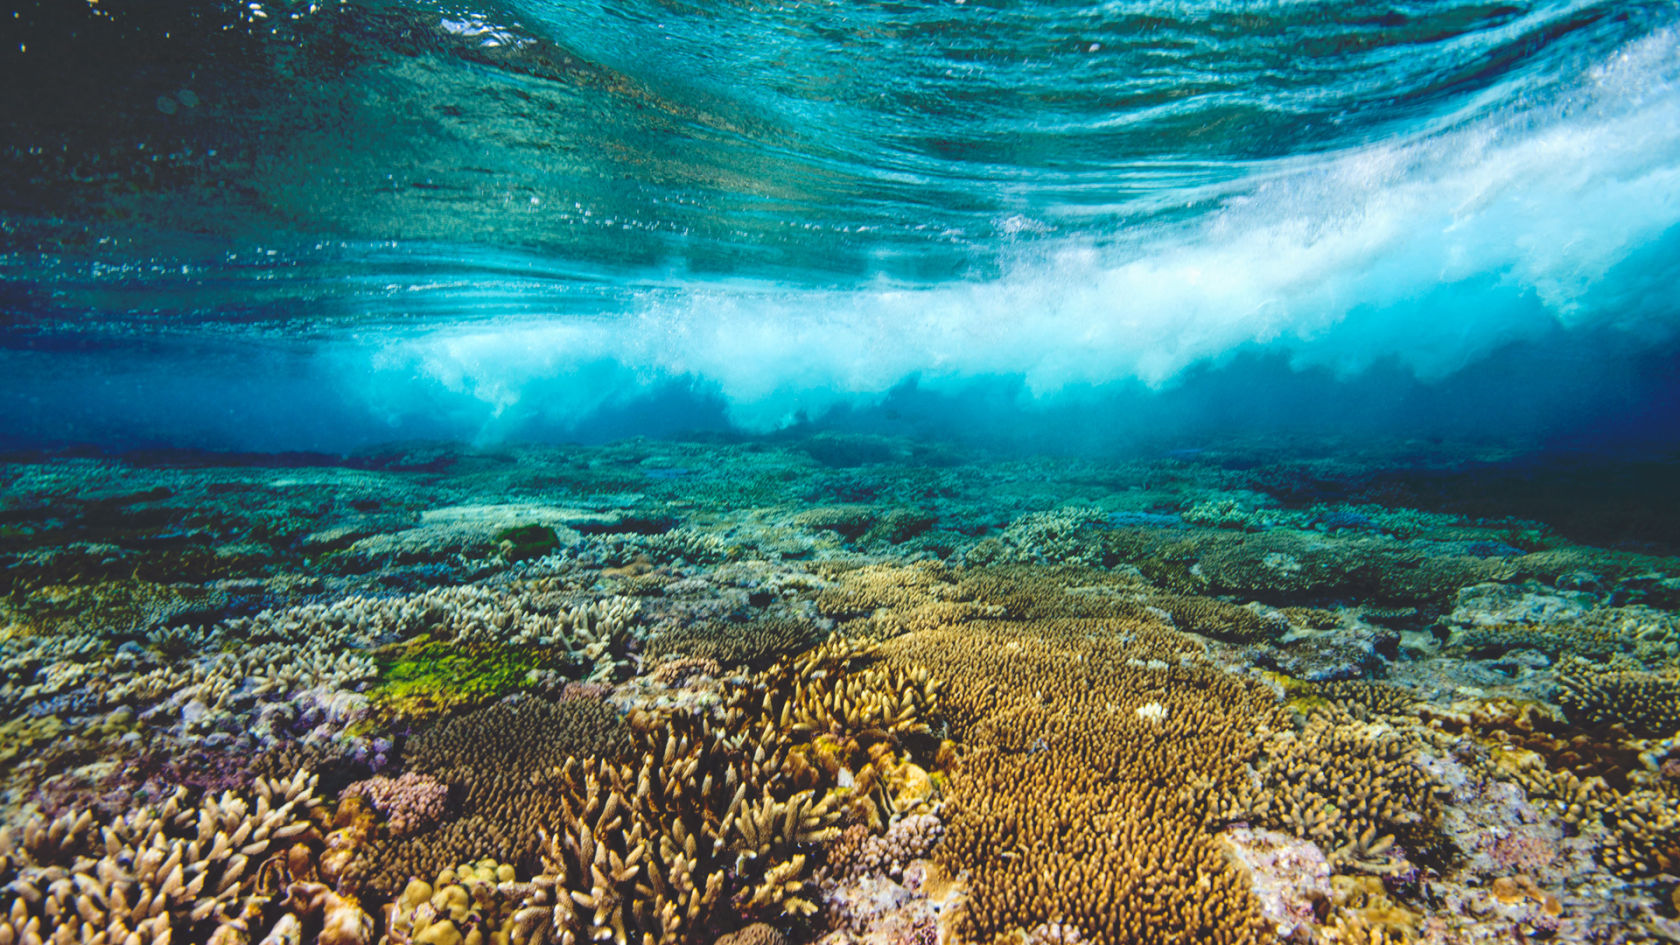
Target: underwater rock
{"x": 1290, "y": 876}
{"x": 908, "y": 909}
{"x": 1355, "y": 650}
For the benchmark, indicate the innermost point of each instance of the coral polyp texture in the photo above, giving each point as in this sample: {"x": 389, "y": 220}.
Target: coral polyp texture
{"x": 795, "y": 695}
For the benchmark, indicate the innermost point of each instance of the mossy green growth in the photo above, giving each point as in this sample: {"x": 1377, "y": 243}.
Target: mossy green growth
{"x": 527, "y": 541}
{"x": 1304, "y": 705}
{"x": 424, "y": 678}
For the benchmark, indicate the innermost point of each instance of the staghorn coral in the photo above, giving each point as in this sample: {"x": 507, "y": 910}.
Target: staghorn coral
{"x": 1637, "y": 828}
{"x": 1072, "y": 535}
{"x": 1106, "y": 863}
{"x": 677, "y": 546}
{"x": 867, "y": 523}
{"x": 1037, "y": 624}
{"x": 1643, "y": 702}
{"x": 1219, "y": 619}
{"x": 1363, "y": 912}
{"x": 1137, "y": 738}
{"x": 468, "y": 645}
{"x": 1599, "y": 784}
{"x": 296, "y": 676}
{"x": 177, "y": 870}
{"x": 1642, "y": 831}
{"x": 883, "y": 600}
{"x": 1492, "y": 619}
{"x": 313, "y": 912}
{"x": 1363, "y": 699}
{"x": 1232, "y": 511}
{"x": 711, "y": 815}
{"x": 1353, "y": 790}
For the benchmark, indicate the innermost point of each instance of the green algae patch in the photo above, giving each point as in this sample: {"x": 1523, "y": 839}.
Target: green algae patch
{"x": 427, "y": 678}
{"x": 1298, "y": 695}
{"x": 522, "y": 542}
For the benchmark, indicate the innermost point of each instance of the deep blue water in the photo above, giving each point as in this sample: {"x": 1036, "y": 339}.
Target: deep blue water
{"x": 314, "y": 226}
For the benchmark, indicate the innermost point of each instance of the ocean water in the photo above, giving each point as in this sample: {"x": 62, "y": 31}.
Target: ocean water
{"x": 562, "y": 220}
{"x": 868, "y": 472}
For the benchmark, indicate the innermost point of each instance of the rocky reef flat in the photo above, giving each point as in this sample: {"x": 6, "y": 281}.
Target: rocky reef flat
{"x": 842, "y": 689}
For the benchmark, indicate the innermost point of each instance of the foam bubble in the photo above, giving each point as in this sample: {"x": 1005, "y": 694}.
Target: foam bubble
{"x": 1431, "y": 253}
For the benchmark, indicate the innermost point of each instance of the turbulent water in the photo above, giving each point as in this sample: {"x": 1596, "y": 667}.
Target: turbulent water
{"x": 288, "y": 225}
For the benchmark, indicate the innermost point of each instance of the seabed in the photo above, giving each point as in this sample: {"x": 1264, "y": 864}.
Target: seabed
{"x": 838, "y": 688}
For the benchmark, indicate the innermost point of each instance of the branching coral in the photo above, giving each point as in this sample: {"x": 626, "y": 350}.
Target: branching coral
{"x": 499, "y": 761}
{"x": 1363, "y": 699}
{"x": 178, "y": 871}
{"x": 755, "y": 643}
{"x": 717, "y": 813}
{"x": 1352, "y": 790}
{"x": 1645, "y": 703}
{"x": 1093, "y": 749}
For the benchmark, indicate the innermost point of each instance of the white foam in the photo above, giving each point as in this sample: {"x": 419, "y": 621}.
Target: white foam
{"x": 1431, "y": 253}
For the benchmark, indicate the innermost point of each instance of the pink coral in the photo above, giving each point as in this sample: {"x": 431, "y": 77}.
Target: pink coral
{"x": 409, "y": 802}
{"x": 585, "y": 691}
{"x": 857, "y": 853}
{"x": 1519, "y": 851}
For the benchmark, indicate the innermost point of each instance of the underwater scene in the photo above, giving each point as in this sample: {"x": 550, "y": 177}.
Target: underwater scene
{"x": 839, "y": 472}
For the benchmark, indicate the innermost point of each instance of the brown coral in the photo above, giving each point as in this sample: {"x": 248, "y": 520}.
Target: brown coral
{"x": 755, "y": 643}
{"x": 1094, "y": 751}
{"x": 181, "y": 870}
{"x": 1645, "y": 703}
{"x": 1354, "y": 791}
{"x": 499, "y": 763}
{"x": 710, "y": 814}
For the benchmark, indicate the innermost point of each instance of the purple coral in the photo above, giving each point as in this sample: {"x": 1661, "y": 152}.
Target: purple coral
{"x": 409, "y": 802}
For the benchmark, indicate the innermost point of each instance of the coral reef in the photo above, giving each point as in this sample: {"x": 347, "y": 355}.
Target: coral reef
{"x": 1352, "y": 788}
{"x": 1644, "y": 703}
{"x": 755, "y": 643}
{"x": 834, "y": 688}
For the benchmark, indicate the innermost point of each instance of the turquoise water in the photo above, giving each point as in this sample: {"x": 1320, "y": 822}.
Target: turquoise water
{"x": 313, "y": 226}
